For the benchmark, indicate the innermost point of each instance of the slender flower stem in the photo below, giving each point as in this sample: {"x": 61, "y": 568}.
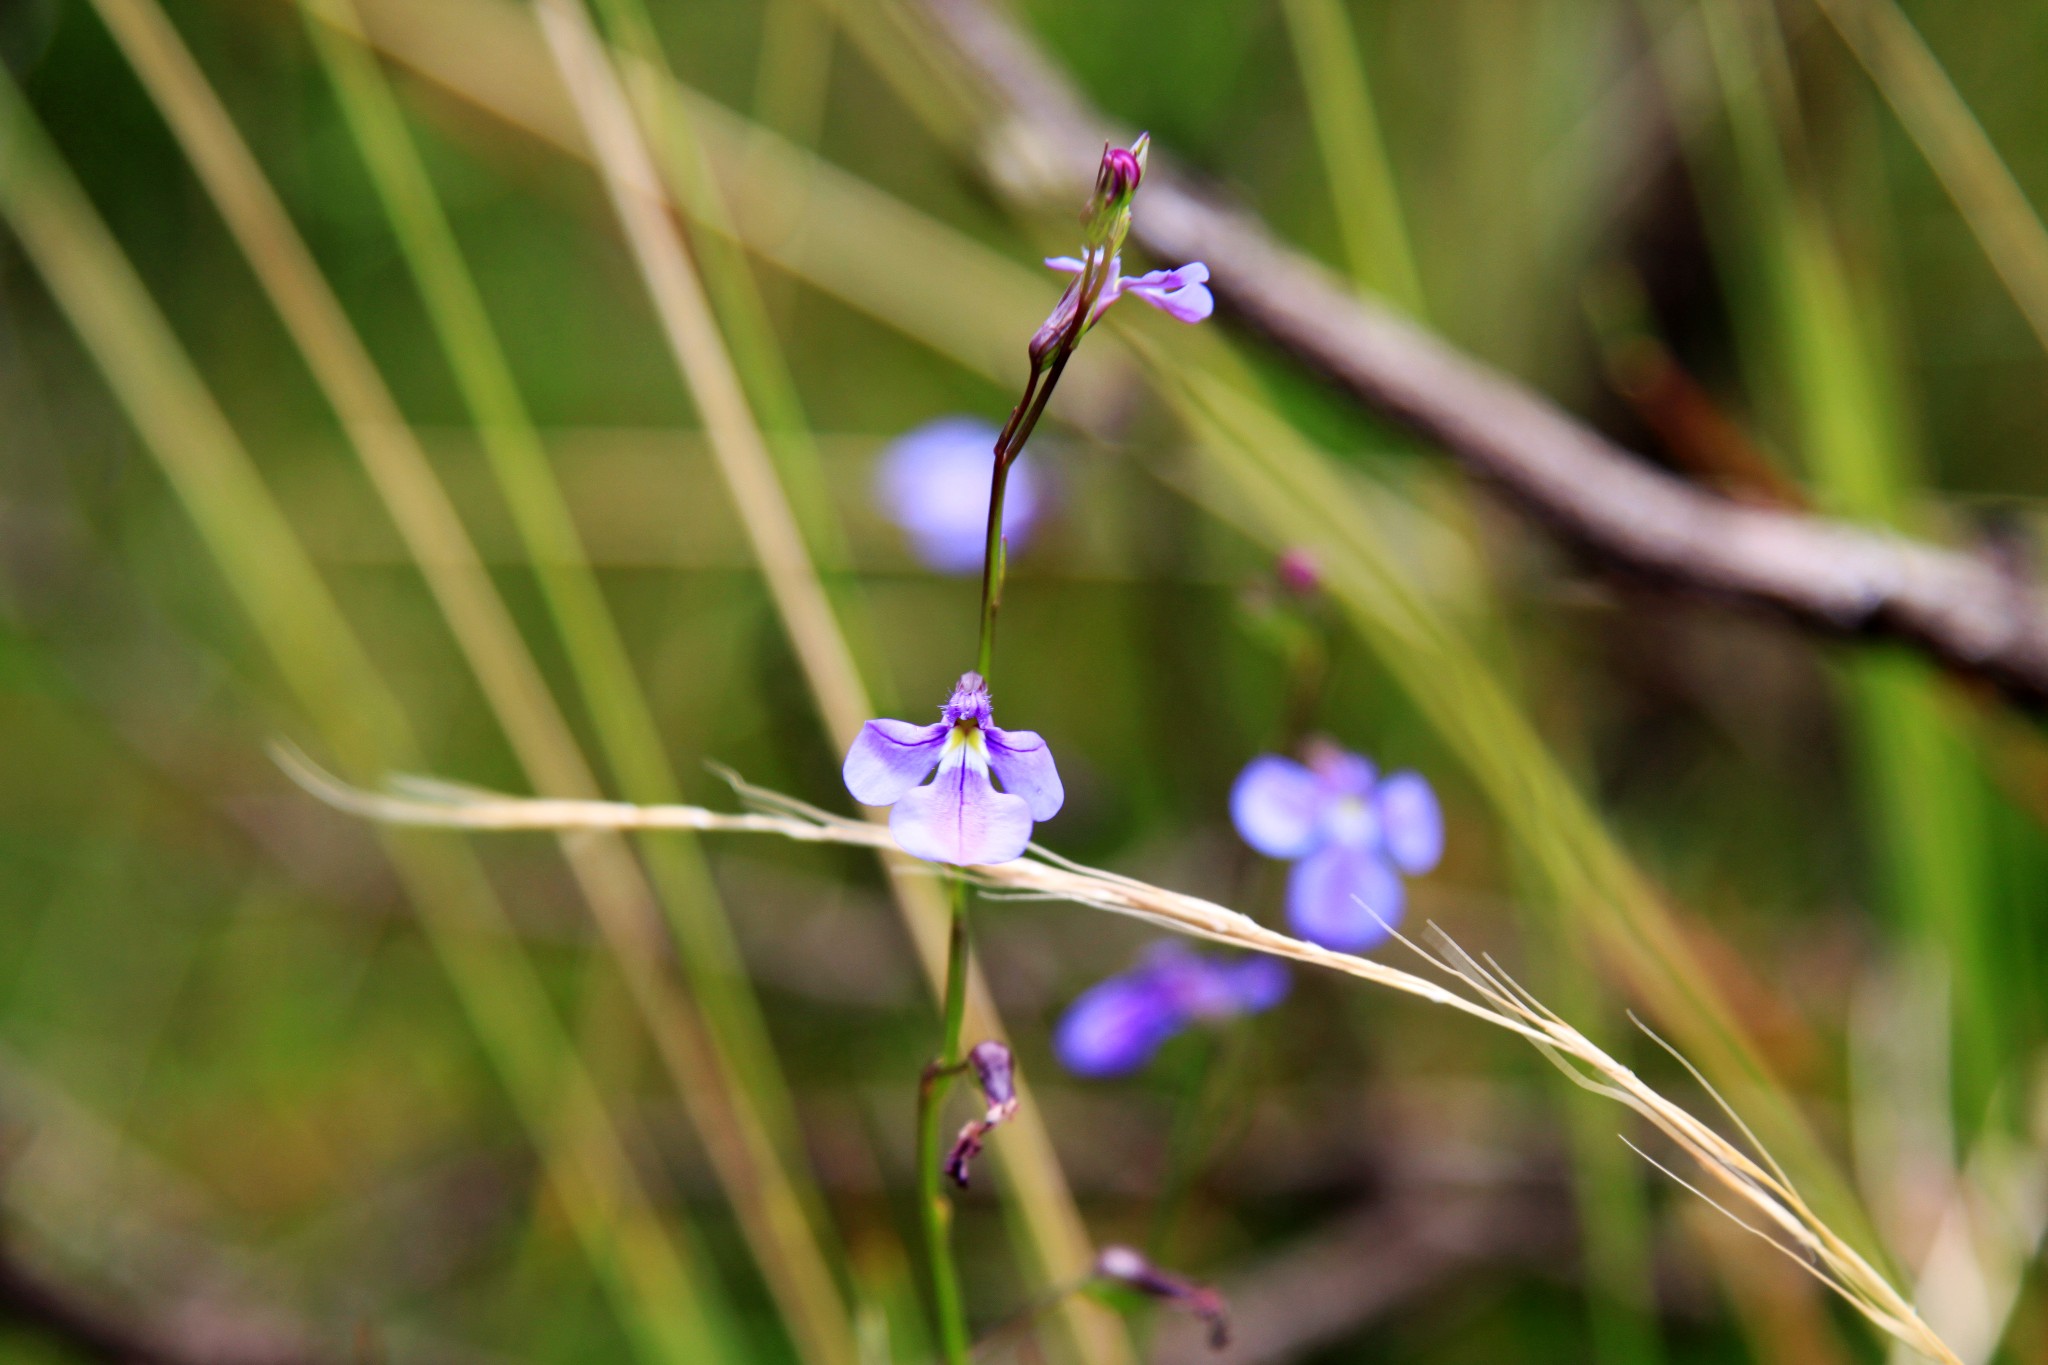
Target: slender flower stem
{"x": 1009, "y": 445}
{"x": 935, "y": 1209}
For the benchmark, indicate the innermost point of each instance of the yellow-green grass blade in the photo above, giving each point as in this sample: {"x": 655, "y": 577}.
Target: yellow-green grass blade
{"x": 641, "y": 201}
{"x": 482, "y": 626}
{"x": 867, "y": 249}
{"x": 1607, "y": 1179}
{"x": 491, "y": 54}
{"x": 1955, "y": 145}
{"x": 1919, "y": 781}
{"x": 749, "y": 332}
{"x": 664, "y": 1304}
{"x": 1355, "y": 165}
{"x": 1283, "y": 492}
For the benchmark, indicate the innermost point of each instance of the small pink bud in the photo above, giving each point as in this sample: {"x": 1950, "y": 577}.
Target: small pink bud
{"x": 1121, "y": 171}
{"x": 1298, "y": 572}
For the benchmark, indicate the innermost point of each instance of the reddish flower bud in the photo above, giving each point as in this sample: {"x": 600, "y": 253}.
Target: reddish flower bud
{"x": 1121, "y": 171}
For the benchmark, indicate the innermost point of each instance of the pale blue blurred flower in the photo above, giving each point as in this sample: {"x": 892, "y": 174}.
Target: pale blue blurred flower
{"x": 1353, "y": 833}
{"x": 933, "y": 482}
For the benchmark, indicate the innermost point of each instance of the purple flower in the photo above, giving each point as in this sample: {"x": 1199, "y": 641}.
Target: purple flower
{"x": 996, "y": 1072}
{"x": 959, "y": 817}
{"x": 1182, "y": 293}
{"x": 1352, "y": 832}
{"x": 933, "y": 482}
{"x": 1116, "y": 1025}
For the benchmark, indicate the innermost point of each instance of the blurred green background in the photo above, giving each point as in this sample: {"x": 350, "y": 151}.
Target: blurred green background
{"x": 263, "y": 1097}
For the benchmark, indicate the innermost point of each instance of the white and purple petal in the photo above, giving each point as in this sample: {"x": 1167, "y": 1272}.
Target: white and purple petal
{"x": 889, "y": 758}
{"x": 959, "y": 818}
{"x": 1411, "y": 822}
{"x": 1113, "y": 287}
{"x": 1182, "y": 294}
{"x": 1275, "y": 804}
{"x": 1022, "y": 762}
{"x": 1344, "y": 898}
{"x": 1115, "y": 1026}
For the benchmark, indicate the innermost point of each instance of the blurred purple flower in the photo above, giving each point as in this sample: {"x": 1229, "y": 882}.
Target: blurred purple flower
{"x": 933, "y": 482}
{"x": 959, "y": 817}
{"x": 1117, "y": 1024}
{"x": 1182, "y": 294}
{"x": 1352, "y": 832}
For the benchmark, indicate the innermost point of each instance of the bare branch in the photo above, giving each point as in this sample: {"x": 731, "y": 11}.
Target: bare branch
{"x": 1967, "y": 610}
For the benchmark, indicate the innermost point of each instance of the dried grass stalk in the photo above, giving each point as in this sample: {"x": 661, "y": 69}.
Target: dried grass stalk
{"x": 1754, "y": 1191}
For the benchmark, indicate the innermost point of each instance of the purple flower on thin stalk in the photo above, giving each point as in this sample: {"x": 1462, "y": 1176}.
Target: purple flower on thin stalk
{"x": 1350, "y": 833}
{"x": 959, "y": 817}
{"x": 1182, "y": 294}
{"x": 1117, "y": 1024}
{"x": 996, "y": 1071}
{"x": 934, "y": 482}
{"x": 1098, "y": 271}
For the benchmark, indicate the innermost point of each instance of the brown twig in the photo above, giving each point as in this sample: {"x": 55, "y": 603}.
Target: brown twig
{"x": 1825, "y": 574}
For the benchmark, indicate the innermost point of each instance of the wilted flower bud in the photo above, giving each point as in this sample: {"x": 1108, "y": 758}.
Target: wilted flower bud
{"x": 1061, "y": 324}
{"x": 996, "y": 1072}
{"x": 1128, "y": 1267}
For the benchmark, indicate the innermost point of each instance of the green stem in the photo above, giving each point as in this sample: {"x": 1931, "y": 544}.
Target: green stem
{"x": 935, "y": 1209}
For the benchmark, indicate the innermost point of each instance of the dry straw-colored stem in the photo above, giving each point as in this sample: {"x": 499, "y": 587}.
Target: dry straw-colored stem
{"x": 1054, "y": 1235}
{"x": 1740, "y": 1179}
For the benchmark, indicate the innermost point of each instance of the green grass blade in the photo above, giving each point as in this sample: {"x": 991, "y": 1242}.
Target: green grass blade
{"x": 1922, "y": 793}
{"x": 870, "y": 245}
{"x": 732, "y": 1078}
{"x": 1355, "y": 164}
{"x": 1909, "y": 75}
{"x": 665, "y": 1305}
